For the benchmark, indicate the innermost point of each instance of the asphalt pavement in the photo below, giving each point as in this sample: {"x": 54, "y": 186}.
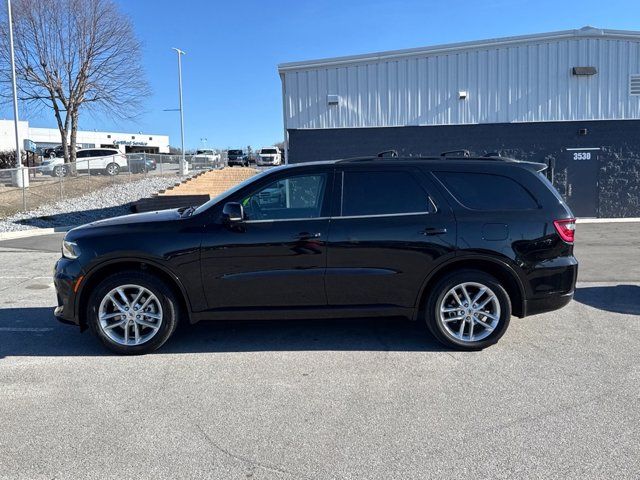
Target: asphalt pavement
{"x": 557, "y": 397}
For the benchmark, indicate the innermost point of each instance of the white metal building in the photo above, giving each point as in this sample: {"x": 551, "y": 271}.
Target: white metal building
{"x": 570, "y": 99}
{"x": 50, "y": 137}
{"x": 516, "y": 79}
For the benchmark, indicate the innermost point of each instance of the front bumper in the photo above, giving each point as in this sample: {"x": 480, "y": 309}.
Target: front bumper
{"x": 65, "y": 279}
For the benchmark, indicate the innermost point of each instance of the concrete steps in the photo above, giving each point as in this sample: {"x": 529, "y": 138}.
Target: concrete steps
{"x": 195, "y": 190}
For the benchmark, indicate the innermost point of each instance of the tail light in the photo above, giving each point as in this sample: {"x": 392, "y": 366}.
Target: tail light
{"x": 566, "y": 229}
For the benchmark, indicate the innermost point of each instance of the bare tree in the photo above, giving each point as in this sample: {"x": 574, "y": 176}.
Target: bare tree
{"x": 74, "y": 56}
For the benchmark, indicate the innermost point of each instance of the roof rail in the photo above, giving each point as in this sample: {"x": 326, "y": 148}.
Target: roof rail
{"x": 464, "y": 152}
{"x": 392, "y": 153}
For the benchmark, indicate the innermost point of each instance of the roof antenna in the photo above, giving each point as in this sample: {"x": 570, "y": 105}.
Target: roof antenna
{"x": 391, "y": 153}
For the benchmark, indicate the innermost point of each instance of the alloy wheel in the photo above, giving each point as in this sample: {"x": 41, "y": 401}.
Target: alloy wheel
{"x": 469, "y": 312}
{"x": 130, "y": 315}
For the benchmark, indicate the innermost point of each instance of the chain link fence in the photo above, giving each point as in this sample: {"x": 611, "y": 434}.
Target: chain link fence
{"x": 25, "y": 189}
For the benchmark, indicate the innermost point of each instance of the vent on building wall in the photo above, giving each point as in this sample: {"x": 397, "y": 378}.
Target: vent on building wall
{"x": 634, "y": 84}
{"x": 584, "y": 71}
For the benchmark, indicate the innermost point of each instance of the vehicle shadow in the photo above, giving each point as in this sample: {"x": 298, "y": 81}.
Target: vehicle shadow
{"x": 34, "y": 332}
{"x": 76, "y": 218}
{"x": 613, "y": 298}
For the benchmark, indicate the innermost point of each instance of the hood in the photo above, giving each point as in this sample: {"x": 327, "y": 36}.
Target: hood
{"x": 133, "y": 219}
{"x": 146, "y": 217}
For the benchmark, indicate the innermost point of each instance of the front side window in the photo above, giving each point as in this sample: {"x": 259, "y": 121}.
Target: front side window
{"x": 290, "y": 198}
{"x": 382, "y": 193}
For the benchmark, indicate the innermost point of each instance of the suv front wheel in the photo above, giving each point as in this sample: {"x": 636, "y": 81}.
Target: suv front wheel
{"x": 468, "y": 310}
{"x": 132, "y": 312}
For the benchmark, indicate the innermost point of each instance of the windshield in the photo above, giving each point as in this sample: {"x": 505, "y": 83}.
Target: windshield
{"x": 268, "y": 151}
{"x": 204, "y": 152}
{"x": 235, "y": 152}
{"x": 231, "y": 191}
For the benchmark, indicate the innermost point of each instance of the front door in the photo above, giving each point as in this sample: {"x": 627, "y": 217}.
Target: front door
{"x": 582, "y": 181}
{"x": 386, "y": 236}
{"x": 277, "y": 256}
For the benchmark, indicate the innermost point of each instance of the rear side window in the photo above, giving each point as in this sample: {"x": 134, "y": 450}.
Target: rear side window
{"x": 484, "y": 191}
{"x": 382, "y": 193}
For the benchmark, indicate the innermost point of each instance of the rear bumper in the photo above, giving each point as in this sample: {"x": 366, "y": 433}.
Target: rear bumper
{"x": 547, "y": 304}
{"x": 554, "y": 287}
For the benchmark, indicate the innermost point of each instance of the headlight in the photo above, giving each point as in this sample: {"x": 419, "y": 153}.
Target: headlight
{"x": 70, "y": 250}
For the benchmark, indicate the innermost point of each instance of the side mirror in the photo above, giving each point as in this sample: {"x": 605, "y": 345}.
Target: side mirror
{"x": 233, "y": 212}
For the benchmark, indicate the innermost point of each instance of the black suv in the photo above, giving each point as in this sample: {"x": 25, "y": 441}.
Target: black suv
{"x": 458, "y": 243}
{"x": 237, "y": 157}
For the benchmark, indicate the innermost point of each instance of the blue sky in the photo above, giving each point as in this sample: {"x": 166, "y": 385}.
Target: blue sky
{"x": 232, "y": 90}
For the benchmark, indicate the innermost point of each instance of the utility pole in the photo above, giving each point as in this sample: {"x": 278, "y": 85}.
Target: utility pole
{"x": 184, "y": 168}
{"x": 20, "y": 175}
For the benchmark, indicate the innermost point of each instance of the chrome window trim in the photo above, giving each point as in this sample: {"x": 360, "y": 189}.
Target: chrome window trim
{"x": 406, "y": 214}
{"x": 285, "y": 220}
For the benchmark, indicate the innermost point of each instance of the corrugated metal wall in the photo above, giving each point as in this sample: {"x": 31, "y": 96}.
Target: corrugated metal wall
{"x": 526, "y": 82}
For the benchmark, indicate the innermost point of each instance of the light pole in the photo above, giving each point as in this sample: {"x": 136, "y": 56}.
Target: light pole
{"x": 184, "y": 169}
{"x": 20, "y": 180}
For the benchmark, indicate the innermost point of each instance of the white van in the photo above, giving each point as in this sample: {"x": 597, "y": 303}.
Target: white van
{"x": 270, "y": 156}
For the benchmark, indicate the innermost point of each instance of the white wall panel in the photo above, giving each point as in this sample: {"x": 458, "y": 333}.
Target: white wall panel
{"x": 515, "y": 82}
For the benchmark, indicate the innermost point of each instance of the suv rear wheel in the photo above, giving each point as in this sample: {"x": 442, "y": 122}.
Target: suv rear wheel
{"x": 132, "y": 312}
{"x": 468, "y": 310}
{"x": 113, "y": 169}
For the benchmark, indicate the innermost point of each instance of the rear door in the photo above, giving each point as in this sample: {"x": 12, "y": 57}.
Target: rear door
{"x": 390, "y": 228}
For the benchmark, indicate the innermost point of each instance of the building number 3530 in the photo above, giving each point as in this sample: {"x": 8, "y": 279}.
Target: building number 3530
{"x": 582, "y": 156}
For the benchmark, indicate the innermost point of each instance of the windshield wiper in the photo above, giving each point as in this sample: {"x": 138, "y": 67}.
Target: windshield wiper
{"x": 188, "y": 211}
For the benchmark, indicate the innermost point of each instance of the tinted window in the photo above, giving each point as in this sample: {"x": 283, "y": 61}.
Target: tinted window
{"x": 482, "y": 191}
{"x": 103, "y": 153}
{"x": 235, "y": 152}
{"x": 294, "y": 197}
{"x": 268, "y": 151}
{"x": 83, "y": 154}
{"x": 382, "y": 192}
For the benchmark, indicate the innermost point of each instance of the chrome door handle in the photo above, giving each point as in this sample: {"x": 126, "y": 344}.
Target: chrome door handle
{"x": 434, "y": 231}
{"x": 307, "y": 236}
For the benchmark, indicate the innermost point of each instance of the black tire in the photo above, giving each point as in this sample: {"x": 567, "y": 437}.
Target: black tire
{"x": 112, "y": 169}
{"x": 441, "y": 289}
{"x": 60, "y": 171}
{"x": 164, "y": 294}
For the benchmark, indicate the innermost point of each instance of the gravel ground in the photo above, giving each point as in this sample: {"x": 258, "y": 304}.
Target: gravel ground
{"x": 107, "y": 202}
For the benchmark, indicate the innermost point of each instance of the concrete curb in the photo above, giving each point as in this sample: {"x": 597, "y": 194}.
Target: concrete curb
{"x": 33, "y": 232}
{"x": 608, "y": 220}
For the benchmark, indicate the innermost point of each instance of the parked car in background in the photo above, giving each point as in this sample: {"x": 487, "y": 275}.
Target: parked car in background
{"x": 141, "y": 163}
{"x": 55, "y": 152}
{"x": 460, "y": 244}
{"x": 270, "y": 156}
{"x": 204, "y": 159}
{"x": 237, "y": 157}
{"x": 109, "y": 161}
